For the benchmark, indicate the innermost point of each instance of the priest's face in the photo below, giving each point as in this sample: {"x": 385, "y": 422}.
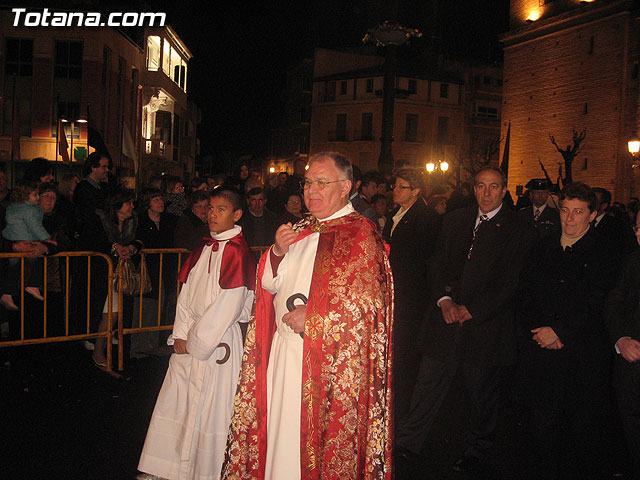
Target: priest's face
{"x": 327, "y": 191}
{"x": 222, "y": 216}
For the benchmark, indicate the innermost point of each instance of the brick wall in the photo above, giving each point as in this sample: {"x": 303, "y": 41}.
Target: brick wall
{"x": 573, "y": 77}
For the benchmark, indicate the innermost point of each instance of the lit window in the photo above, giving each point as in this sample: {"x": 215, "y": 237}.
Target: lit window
{"x": 153, "y": 54}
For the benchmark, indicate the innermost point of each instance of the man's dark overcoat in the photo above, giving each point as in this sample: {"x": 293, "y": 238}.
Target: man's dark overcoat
{"x": 486, "y": 283}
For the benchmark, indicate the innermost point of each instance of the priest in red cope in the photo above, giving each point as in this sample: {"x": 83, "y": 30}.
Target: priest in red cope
{"x": 314, "y": 398}
{"x": 188, "y": 430}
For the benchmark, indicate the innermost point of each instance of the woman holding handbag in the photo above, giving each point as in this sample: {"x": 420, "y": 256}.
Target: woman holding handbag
{"x": 112, "y": 230}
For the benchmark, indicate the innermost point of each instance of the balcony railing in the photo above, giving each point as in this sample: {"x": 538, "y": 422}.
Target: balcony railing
{"x": 413, "y": 137}
{"x": 339, "y": 136}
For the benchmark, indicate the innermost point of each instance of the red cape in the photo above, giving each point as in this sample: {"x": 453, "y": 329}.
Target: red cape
{"x": 346, "y": 415}
{"x": 238, "y": 267}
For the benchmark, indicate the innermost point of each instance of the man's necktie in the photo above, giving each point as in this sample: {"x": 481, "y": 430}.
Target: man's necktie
{"x": 536, "y": 214}
{"x": 483, "y": 218}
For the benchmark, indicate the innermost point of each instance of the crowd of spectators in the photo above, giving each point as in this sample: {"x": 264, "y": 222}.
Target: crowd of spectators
{"x": 561, "y": 280}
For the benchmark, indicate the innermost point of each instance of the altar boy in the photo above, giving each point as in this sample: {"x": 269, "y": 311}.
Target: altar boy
{"x": 188, "y": 430}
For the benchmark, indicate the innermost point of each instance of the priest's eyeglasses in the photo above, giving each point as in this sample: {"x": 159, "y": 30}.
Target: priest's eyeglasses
{"x": 320, "y": 184}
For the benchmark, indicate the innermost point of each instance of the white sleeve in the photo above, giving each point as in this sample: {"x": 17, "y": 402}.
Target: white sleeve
{"x": 184, "y": 319}
{"x": 205, "y": 334}
{"x": 270, "y": 282}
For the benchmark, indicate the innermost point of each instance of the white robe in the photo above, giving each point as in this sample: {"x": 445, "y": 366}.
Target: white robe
{"x": 284, "y": 373}
{"x": 188, "y": 430}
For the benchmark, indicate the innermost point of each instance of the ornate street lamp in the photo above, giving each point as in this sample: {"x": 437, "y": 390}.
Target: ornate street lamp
{"x": 389, "y": 35}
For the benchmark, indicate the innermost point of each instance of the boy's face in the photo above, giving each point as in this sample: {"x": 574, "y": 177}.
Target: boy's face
{"x": 221, "y": 215}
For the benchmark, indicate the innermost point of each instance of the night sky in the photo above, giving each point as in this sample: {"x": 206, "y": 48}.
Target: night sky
{"x": 242, "y": 50}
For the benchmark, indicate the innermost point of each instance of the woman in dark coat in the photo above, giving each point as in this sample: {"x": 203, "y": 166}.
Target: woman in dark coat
{"x": 411, "y": 231}
{"x": 563, "y": 375}
{"x": 154, "y": 232}
{"x": 112, "y": 231}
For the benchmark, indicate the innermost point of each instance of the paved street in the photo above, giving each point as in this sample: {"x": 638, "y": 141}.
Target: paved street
{"x": 64, "y": 418}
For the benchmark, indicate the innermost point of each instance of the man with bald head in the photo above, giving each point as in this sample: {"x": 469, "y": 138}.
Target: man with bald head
{"x": 314, "y": 394}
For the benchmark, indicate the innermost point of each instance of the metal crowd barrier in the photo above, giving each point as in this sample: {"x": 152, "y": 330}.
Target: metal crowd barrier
{"x": 87, "y": 335}
{"x": 109, "y": 333}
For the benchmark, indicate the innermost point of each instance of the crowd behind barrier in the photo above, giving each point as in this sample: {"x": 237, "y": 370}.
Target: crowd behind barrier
{"x": 61, "y": 247}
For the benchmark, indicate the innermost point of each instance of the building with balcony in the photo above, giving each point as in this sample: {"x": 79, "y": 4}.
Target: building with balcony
{"x": 572, "y": 64}
{"x": 120, "y": 84}
{"x": 438, "y": 110}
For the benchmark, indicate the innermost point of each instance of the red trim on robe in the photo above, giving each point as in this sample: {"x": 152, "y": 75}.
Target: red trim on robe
{"x": 238, "y": 265}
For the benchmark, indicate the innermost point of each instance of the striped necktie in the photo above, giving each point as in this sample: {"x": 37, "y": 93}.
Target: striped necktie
{"x": 482, "y": 218}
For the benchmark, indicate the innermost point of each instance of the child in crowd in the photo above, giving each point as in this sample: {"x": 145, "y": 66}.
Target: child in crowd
{"x": 24, "y": 222}
{"x": 188, "y": 430}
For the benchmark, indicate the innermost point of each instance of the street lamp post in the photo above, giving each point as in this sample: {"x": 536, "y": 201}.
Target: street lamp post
{"x": 390, "y": 35}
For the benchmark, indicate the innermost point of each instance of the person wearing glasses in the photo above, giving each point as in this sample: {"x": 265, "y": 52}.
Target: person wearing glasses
{"x": 411, "y": 231}
{"x": 314, "y": 393}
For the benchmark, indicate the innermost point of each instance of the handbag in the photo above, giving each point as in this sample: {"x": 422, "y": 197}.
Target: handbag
{"x": 133, "y": 279}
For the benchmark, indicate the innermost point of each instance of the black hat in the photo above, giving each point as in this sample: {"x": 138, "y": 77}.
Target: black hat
{"x": 539, "y": 184}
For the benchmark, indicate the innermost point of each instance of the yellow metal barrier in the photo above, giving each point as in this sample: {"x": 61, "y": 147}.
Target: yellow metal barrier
{"x": 120, "y": 330}
{"x": 66, "y": 337}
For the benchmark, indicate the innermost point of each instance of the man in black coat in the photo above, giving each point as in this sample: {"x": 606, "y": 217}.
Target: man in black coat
{"x": 618, "y": 232}
{"x": 544, "y": 218}
{"x": 623, "y": 318}
{"x": 563, "y": 374}
{"x": 478, "y": 262}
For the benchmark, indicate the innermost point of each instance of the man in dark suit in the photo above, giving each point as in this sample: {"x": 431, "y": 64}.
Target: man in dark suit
{"x": 623, "y": 319}
{"x": 617, "y": 231}
{"x": 544, "y": 218}
{"x": 478, "y": 262}
{"x": 259, "y": 225}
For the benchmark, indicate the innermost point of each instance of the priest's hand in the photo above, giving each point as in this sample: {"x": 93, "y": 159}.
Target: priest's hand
{"x": 180, "y": 346}
{"x": 629, "y": 349}
{"x": 546, "y": 338}
{"x": 295, "y": 318}
{"x": 285, "y": 236}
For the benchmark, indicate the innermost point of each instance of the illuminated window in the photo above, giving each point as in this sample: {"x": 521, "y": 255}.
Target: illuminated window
{"x": 153, "y": 54}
